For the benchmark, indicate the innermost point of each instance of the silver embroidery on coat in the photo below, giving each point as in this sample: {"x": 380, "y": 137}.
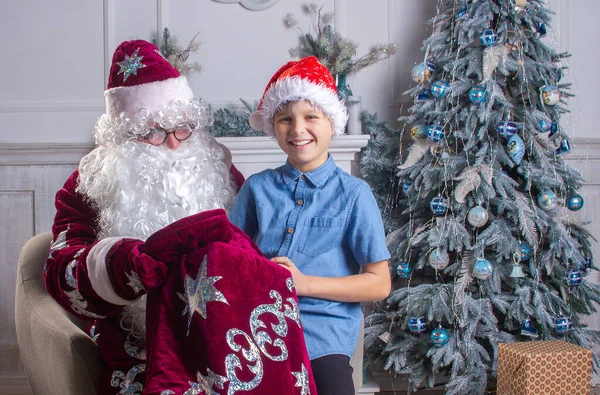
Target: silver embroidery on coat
{"x": 134, "y": 350}
{"x": 167, "y": 392}
{"x": 69, "y": 275}
{"x": 205, "y": 384}
{"x": 93, "y": 333}
{"x": 79, "y": 305}
{"x": 289, "y": 282}
{"x": 302, "y": 381}
{"x": 125, "y": 381}
{"x": 60, "y": 242}
{"x": 232, "y": 363}
{"x": 200, "y": 291}
{"x": 281, "y": 328}
{"x": 135, "y": 282}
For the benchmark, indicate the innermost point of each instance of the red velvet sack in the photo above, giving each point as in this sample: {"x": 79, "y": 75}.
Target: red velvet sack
{"x": 226, "y": 321}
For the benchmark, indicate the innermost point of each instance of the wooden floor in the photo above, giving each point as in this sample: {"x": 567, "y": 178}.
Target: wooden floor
{"x": 15, "y": 384}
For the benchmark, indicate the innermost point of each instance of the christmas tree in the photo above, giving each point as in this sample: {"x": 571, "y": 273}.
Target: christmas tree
{"x": 485, "y": 245}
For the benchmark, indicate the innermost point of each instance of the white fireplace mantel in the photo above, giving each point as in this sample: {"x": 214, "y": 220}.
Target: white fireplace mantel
{"x": 250, "y": 154}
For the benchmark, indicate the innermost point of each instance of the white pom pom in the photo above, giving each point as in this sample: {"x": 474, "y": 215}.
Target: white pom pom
{"x": 256, "y": 121}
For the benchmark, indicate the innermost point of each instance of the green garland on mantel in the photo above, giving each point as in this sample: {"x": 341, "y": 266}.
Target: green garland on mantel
{"x": 233, "y": 123}
{"x": 379, "y": 159}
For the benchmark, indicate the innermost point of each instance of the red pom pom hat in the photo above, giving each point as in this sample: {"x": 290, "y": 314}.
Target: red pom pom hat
{"x": 306, "y": 79}
{"x": 140, "y": 77}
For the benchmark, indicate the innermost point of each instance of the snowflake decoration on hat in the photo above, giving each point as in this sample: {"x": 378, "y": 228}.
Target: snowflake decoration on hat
{"x": 130, "y": 65}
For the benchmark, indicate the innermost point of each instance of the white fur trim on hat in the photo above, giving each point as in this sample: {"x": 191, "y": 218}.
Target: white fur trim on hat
{"x": 294, "y": 89}
{"x": 152, "y": 96}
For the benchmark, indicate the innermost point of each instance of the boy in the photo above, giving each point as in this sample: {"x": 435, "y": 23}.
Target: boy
{"x": 316, "y": 220}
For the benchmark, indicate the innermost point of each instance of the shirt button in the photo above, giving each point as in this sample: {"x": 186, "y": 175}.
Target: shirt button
{"x": 300, "y": 202}
{"x": 290, "y": 230}
{"x": 303, "y": 178}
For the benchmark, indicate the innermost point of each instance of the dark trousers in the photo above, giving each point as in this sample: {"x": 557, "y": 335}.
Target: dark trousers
{"x": 333, "y": 375}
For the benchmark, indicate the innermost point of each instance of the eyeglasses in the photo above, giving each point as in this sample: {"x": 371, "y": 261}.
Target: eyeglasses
{"x": 157, "y": 136}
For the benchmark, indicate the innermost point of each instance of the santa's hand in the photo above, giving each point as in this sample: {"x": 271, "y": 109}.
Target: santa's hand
{"x": 300, "y": 280}
{"x": 132, "y": 271}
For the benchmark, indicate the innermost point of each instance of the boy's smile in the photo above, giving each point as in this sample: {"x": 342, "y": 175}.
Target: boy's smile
{"x": 303, "y": 132}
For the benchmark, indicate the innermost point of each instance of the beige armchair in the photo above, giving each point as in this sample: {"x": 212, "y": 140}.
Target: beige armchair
{"x": 58, "y": 356}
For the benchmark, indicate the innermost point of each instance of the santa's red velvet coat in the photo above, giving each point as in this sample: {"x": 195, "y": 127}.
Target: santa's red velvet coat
{"x": 220, "y": 318}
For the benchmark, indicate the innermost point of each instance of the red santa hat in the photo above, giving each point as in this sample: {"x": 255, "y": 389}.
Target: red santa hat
{"x": 306, "y": 79}
{"x": 140, "y": 77}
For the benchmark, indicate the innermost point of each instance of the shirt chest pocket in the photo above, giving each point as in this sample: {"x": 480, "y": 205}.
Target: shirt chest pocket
{"x": 320, "y": 234}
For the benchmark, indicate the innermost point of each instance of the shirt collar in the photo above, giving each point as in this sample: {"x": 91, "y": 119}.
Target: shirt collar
{"x": 317, "y": 176}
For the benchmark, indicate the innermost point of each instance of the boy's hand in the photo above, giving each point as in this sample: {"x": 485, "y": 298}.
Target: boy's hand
{"x": 300, "y": 282}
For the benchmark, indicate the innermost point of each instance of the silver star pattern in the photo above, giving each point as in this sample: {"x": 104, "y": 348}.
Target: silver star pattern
{"x": 205, "y": 384}
{"x": 131, "y": 65}
{"x": 135, "y": 282}
{"x": 60, "y": 242}
{"x": 93, "y": 333}
{"x": 302, "y": 381}
{"x": 200, "y": 291}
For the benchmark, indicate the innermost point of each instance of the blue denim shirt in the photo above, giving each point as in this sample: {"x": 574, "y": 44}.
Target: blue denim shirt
{"x": 325, "y": 221}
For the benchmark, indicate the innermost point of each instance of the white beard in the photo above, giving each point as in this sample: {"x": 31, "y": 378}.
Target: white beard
{"x": 138, "y": 188}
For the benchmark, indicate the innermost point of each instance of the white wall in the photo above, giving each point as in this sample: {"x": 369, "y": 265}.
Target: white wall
{"x": 55, "y": 56}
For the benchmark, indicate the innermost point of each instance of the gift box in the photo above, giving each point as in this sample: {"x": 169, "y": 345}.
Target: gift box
{"x": 543, "y": 367}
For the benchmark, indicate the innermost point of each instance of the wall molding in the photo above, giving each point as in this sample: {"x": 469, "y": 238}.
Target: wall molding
{"x": 37, "y": 106}
{"x": 49, "y": 154}
{"x": 108, "y": 23}
{"x": 252, "y": 5}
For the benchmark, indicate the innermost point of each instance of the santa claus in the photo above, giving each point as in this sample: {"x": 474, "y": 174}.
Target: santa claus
{"x": 145, "y": 215}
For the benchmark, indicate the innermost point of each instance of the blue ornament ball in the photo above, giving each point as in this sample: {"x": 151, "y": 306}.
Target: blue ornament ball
{"x": 587, "y": 265}
{"x": 430, "y": 64}
{"x": 435, "y": 133}
{"x": 524, "y": 253}
{"x": 488, "y": 38}
{"x": 424, "y": 94}
{"x": 438, "y": 205}
{"x": 544, "y": 126}
{"x": 462, "y": 10}
{"x": 541, "y": 30}
{"x": 564, "y": 147}
{"x": 406, "y": 187}
{"x": 477, "y": 94}
{"x": 419, "y": 131}
{"x": 574, "y": 277}
{"x": 417, "y": 324}
{"x": 547, "y": 200}
{"x": 439, "y": 337}
{"x": 549, "y": 95}
{"x": 507, "y": 129}
{"x": 478, "y": 216}
{"x": 440, "y": 89}
{"x": 420, "y": 73}
{"x": 575, "y": 202}
{"x": 439, "y": 259}
{"x": 554, "y": 128}
{"x": 482, "y": 269}
{"x": 403, "y": 269}
{"x": 562, "y": 324}
{"x": 516, "y": 148}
